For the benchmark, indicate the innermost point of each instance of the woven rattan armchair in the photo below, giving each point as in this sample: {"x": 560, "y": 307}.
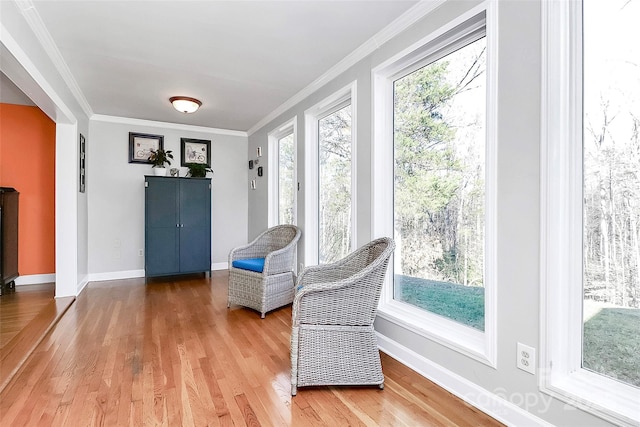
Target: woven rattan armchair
{"x": 332, "y": 337}
{"x": 261, "y": 273}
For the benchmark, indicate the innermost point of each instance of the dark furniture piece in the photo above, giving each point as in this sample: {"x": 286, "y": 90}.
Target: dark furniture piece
{"x": 8, "y": 238}
{"x": 177, "y": 225}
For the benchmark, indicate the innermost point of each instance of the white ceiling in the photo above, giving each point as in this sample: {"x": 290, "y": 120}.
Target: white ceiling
{"x": 242, "y": 59}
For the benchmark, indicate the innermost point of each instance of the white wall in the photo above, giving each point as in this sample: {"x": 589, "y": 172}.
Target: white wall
{"x": 510, "y": 394}
{"x": 115, "y": 191}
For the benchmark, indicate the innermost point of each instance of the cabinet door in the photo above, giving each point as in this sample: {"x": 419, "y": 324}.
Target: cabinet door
{"x": 195, "y": 229}
{"x": 161, "y": 226}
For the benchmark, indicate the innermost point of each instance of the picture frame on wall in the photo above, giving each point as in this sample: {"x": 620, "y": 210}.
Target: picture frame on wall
{"x": 195, "y": 151}
{"x": 82, "y": 155}
{"x": 141, "y": 145}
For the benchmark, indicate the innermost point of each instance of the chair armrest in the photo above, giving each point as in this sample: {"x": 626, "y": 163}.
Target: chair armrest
{"x": 345, "y": 292}
{"x": 253, "y": 249}
{"x": 281, "y": 260}
{"x": 333, "y": 272}
{"x": 276, "y": 260}
{"x": 247, "y": 251}
{"x": 350, "y": 301}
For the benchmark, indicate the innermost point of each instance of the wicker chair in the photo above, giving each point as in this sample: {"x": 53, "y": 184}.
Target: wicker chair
{"x": 332, "y": 337}
{"x": 268, "y": 286}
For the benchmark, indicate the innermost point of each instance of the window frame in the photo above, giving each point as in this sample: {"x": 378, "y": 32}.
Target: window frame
{"x": 478, "y": 345}
{"x": 332, "y": 103}
{"x": 561, "y": 224}
{"x": 290, "y": 127}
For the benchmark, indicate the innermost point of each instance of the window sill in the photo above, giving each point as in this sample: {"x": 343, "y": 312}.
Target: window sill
{"x": 606, "y": 398}
{"x": 454, "y": 335}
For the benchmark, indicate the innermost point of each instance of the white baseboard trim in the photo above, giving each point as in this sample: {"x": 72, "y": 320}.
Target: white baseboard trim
{"x": 486, "y": 401}
{"x": 83, "y": 284}
{"x": 36, "y": 279}
{"x": 115, "y": 275}
{"x": 220, "y": 266}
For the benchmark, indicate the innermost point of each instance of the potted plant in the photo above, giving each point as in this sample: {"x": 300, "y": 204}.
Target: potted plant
{"x": 158, "y": 158}
{"x": 198, "y": 170}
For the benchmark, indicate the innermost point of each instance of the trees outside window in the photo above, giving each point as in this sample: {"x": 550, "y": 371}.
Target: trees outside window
{"x": 439, "y": 150}
{"x": 334, "y": 158}
{"x": 590, "y": 207}
{"x": 611, "y": 190}
{"x": 281, "y": 174}
{"x": 286, "y": 178}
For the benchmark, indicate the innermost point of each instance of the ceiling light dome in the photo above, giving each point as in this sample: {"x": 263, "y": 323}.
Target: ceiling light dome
{"x": 184, "y": 104}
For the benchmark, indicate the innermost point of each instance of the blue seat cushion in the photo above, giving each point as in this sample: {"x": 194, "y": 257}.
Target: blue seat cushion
{"x": 252, "y": 264}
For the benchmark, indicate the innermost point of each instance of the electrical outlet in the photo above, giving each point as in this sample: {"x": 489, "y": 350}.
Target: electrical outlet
{"x": 140, "y": 252}
{"x": 526, "y": 358}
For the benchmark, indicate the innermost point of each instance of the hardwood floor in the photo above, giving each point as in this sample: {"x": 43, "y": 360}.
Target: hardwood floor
{"x": 171, "y": 353}
{"x": 26, "y": 315}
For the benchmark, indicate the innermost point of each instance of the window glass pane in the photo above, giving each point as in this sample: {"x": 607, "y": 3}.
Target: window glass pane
{"x": 334, "y": 216}
{"x": 439, "y": 150}
{"x": 611, "y": 227}
{"x": 286, "y": 186}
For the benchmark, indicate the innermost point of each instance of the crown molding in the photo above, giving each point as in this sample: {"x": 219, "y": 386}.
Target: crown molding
{"x": 166, "y": 125}
{"x": 31, "y": 15}
{"x": 41, "y": 92}
{"x": 404, "y": 21}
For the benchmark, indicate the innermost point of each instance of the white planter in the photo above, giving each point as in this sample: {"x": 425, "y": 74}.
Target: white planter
{"x": 160, "y": 171}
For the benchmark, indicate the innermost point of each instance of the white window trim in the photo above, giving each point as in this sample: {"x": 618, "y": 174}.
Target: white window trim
{"x": 481, "y": 346}
{"x": 312, "y": 185}
{"x": 287, "y": 128}
{"x": 561, "y": 372}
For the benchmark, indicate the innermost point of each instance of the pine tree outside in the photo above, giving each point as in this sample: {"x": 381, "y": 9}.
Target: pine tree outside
{"x": 439, "y": 139}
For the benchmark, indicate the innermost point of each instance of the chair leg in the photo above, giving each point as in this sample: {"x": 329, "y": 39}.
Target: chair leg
{"x": 381, "y": 386}
{"x": 262, "y": 315}
{"x": 293, "y": 390}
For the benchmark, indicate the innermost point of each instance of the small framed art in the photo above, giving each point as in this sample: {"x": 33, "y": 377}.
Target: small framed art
{"x": 195, "y": 151}
{"x": 83, "y": 164}
{"x": 141, "y": 145}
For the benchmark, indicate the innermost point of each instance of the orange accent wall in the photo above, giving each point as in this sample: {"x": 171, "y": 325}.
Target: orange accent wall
{"x": 27, "y": 163}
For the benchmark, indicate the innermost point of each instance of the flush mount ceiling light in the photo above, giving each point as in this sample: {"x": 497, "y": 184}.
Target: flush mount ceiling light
{"x": 184, "y": 104}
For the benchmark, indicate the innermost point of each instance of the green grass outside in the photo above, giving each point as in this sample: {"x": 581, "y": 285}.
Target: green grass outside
{"x": 611, "y": 337}
{"x": 611, "y": 344}
{"x": 464, "y": 304}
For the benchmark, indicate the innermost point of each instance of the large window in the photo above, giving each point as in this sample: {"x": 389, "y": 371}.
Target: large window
{"x": 611, "y": 229}
{"x": 591, "y": 207}
{"x": 282, "y": 181}
{"x": 439, "y": 153}
{"x": 334, "y": 216}
{"x": 329, "y": 178}
{"x": 286, "y": 180}
{"x": 434, "y": 186}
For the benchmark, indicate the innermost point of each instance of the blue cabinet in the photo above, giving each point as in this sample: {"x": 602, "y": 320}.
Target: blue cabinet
{"x": 177, "y": 225}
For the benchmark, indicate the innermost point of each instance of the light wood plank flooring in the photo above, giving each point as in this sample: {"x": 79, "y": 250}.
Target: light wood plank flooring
{"x": 171, "y": 353}
{"x": 25, "y": 317}
{"x": 20, "y": 307}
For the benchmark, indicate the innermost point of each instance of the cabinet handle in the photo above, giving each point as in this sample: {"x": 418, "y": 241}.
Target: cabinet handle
{"x": 181, "y": 225}
{"x": 178, "y": 225}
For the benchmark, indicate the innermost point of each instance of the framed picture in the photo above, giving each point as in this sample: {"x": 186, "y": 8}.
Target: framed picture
{"x": 195, "y": 151}
{"x": 83, "y": 165}
{"x": 141, "y": 145}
